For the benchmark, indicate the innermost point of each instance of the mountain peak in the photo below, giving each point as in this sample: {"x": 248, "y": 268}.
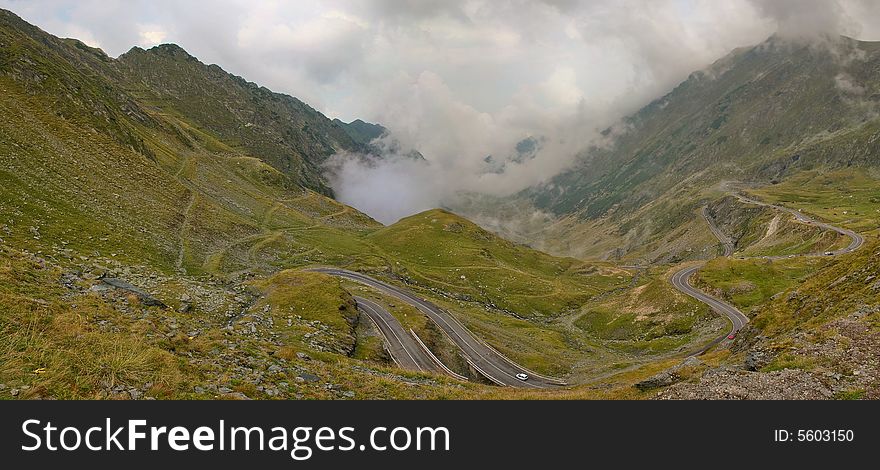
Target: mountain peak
{"x": 168, "y": 50}
{"x": 9, "y": 15}
{"x": 361, "y": 131}
{"x": 171, "y": 49}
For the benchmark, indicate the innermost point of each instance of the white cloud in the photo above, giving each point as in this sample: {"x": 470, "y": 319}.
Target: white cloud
{"x": 152, "y": 36}
{"x": 85, "y": 36}
{"x": 458, "y": 79}
{"x": 561, "y": 86}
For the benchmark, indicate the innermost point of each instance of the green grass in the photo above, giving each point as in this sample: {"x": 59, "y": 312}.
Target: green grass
{"x": 54, "y": 347}
{"x": 651, "y": 317}
{"x": 789, "y": 238}
{"x": 833, "y": 291}
{"x": 749, "y": 283}
{"x": 306, "y": 300}
{"x": 849, "y": 197}
{"x": 81, "y": 345}
{"x": 444, "y": 251}
{"x": 849, "y": 395}
{"x": 790, "y": 361}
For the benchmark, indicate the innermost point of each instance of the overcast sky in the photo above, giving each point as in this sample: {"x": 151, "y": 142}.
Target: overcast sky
{"x": 459, "y": 80}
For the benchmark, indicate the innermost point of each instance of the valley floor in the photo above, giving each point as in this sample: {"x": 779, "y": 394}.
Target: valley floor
{"x": 159, "y": 239}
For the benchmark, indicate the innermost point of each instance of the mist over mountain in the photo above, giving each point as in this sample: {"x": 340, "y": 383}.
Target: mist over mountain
{"x": 710, "y": 173}
{"x": 759, "y": 115}
{"x": 461, "y": 80}
{"x": 567, "y": 117}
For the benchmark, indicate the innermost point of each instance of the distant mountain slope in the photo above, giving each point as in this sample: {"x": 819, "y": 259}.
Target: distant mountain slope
{"x": 758, "y": 115}
{"x": 77, "y": 79}
{"x": 360, "y": 131}
{"x": 279, "y": 129}
{"x": 276, "y": 128}
{"x": 91, "y": 167}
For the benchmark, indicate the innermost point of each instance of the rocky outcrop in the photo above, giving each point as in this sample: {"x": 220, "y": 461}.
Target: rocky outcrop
{"x": 735, "y": 384}
{"x": 755, "y": 360}
{"x": 142, "y": 295}
{"x": 668, "y": 376}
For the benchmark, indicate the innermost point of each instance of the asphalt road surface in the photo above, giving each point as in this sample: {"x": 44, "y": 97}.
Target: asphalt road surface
{"x": 402, "y": 347}
{"x": 726, "y": 241}
{"x": 681, "y": 279}
{"x": 856, "y": 240}
{"x": 482, "y": 357}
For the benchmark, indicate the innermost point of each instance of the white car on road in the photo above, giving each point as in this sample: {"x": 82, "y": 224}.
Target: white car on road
{"x": 522, "y": 377}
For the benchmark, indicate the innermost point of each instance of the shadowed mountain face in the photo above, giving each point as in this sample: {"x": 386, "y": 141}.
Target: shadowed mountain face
{"x": 151, "y": 201}
{"x": 158, "y": 217}
{"x": 360, "y": 131}
{"x": 279, "y": 129}
{"x": 758, "y": 115}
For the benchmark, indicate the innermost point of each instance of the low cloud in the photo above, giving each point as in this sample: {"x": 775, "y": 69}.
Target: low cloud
{"x": 588, "y": 65}
{"x": 809, "y": 19}
{"x": 151, "y": 36}
{"x": 462, "y": 81}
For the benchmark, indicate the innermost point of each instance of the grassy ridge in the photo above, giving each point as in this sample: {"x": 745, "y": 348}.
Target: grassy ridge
{"x": 850, "y": 197}
{"x": 750, "y": 283}
{"x": 651, "y": 317}
{"x": 439, "y": 249}
{"x": 72, "y": 349}
{"x": 108, "y": 176}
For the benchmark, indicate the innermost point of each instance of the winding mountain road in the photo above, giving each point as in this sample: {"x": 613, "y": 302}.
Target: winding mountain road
{"x": 726, "y": 242}
{"x": 402, "y": 347}
{"x": 410, "y": 353}
{"x": 483, "y": 358}
{"x": 856, "y": 240}
{"x": 681, "y": 279}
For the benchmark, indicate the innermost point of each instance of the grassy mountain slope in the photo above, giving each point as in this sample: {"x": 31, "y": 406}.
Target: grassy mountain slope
{"x": 279, "y": 129}
{"x": 72, "y": 78}
{"x": 440, "y": 248}
{"x": 108, "y": 182}
{"x": 762, "y": 231}
{"x": 360, "y": 131}
{"x": 813, "y": 319}
{"x": 759, "y": 115}
{"x": 156, "y": 212}
{"x": 814, "y": 337}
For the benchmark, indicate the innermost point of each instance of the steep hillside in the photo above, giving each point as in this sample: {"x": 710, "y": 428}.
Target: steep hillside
{"x": 279, "y": 129}
{"x": 74, "y": 79}
{"x": 759, "y": 115}
{"x": 360, "y": 131}
{"x": 763, "y": 231}
{"x": 147, "y": 239}
{"x": 813, "y": 338}
{"x": 441, "y": 249}
{"x": 126, "y": 232}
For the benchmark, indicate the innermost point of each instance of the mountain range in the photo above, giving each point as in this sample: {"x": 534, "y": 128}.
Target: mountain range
{"x": 163, "y": 226}
{"x": 756, "y": 116}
